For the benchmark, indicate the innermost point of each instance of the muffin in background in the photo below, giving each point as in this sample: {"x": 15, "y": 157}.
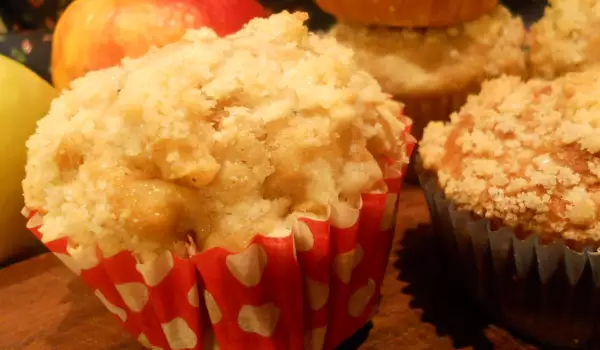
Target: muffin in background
{"x": 566, "y": 39}
{"x": 432, "y": 71}
{"x": 264, "y": 165}
{"x": 513, "y": 184}
{"x": 408, "y": 13}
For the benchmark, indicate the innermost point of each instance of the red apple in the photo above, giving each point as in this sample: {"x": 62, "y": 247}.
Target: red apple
{"x": 95, "y": 34}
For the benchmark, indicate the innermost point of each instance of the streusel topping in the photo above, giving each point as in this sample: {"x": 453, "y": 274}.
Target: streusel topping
{"x": 218, "y": 139}
{"x": 566, "y": 39}
{"x": 526, "y": 154}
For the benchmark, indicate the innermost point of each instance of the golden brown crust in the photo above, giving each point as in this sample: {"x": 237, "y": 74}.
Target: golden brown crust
{"x": 408, "y": 13}
{"x": 427, "y": 63}
{"x": 525, "y": 154}
{"x": 566, "y": 39}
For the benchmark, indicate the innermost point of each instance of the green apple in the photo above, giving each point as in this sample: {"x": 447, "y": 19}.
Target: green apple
{"x": 24, "y": 99}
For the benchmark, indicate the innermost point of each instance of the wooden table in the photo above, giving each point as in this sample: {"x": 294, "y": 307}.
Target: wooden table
{"x": 44, "y": 306}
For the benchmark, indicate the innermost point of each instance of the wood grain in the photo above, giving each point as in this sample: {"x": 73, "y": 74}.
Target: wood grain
{"x": 43, "y": 306}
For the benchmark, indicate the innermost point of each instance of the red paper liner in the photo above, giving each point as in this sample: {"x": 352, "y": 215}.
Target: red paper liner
{"x": 275, "y": 294}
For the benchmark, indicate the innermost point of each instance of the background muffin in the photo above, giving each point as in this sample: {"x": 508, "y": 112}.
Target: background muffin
{"x": 432, "y": 71}
{"x": 566, "y": 39}
{"x": 514, "y": 187}
{"x": 408, "y": 13}
{"x": 219, "y": 166}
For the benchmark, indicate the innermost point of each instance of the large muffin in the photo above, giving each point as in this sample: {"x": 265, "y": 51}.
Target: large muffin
{"x": 514, "y": 186}
{"x": 408, "y": 13}
{"x": 566, "y": 39}
{"x": 264, "y": 165}
{"x": 175, "y": 134}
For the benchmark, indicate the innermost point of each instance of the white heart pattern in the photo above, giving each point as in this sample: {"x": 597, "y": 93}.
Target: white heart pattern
{"x": 135, "y": 295}
{"x": 193, "y": 297}
{"x": 343, "y": 215}
{"x": 248, "y": 266}
{"x": 303, "y": 236}
{"x": 318, "y": 293}
{"x": 261, "y": 320}
{"x": 360, "y": 298}
{"x": 345, "y": 263}
{"x": 120, "y": 313}
{"x": 179, "y": 334}
{"x": 156, "y": 270}
{"x": 315, "y": 339}
{"x": 142, "y": 339}
{"x": 214, "y": 313}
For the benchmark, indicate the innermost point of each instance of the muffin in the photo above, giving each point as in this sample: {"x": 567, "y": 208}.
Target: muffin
{"x": 514, "y": 188}
{"x": 432, "y": 71}
{"x": 263, "y": 165}
{"x": 408, "y": 13}
{"x": 566, "y": 39}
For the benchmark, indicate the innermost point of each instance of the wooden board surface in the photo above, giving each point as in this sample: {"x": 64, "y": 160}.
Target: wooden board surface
{"x": 44, "y": 306}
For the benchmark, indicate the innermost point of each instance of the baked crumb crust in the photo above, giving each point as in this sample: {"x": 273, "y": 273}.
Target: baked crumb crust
{"x": 214, "y": 138}
{"x": 433, "y": 61}
{"x": 525, "y": 154}
{"x": 566, "y": 39}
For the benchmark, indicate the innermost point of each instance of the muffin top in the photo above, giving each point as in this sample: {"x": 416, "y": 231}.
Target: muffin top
{"x": 410, "y": 62}
{"x": 525, "y": 154}
{"x": 403, "y": 13}
{"x": 213, "y": 139}
{"x": 566, "y": 39}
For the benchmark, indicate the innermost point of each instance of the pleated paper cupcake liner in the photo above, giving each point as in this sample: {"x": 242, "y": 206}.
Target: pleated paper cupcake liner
{"x": 309, "y": 288}
{"x": 547, "y": 292}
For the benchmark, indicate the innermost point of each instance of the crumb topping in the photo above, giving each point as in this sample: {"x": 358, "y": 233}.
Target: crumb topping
{"x": 526, "y": 154}
{"x": 217, "y": 139}
{"x": 566, "y": 39}
{"x": 425, "y": 61}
